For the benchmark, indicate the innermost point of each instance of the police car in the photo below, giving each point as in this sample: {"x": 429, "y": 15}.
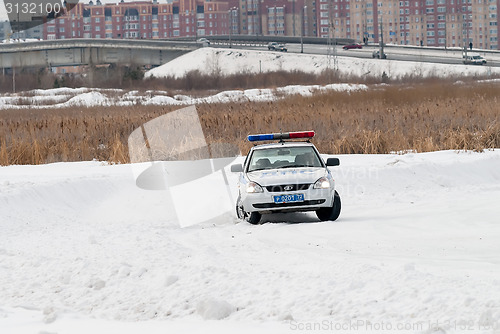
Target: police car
{"x": 286, "y": 176}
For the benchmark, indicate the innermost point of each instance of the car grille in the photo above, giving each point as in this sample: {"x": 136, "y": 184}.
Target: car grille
{"x": 288, "y": 187}
{"x": 284, "y": 205}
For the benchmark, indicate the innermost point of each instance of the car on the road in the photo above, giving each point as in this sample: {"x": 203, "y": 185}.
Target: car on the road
{"x": 377, "y": 54}
{"x": 286, "y": 176}
{"x": 473, "y": 59}
{"x": 352, "y": 46}
{"x": 282, "y": 48}
{"x": 203, "y": 40}
{"x": 272, "y": 46}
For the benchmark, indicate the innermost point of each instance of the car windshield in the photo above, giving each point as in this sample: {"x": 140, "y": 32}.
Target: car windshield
{"x": 284, "y": 157}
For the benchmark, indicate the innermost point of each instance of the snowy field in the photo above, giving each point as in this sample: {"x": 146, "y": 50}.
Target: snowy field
{"x": 415, "y": 250}
{"x": 93, "y": 97}
{"x": 231, "y": 61}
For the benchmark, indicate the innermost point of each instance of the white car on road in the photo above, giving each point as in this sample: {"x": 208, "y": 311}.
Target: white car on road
{"x": 286, "y": 176}
{"x": 473, "y": 59}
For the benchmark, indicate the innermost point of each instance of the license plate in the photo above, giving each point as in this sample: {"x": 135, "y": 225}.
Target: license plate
{"x": 289, "y": 198}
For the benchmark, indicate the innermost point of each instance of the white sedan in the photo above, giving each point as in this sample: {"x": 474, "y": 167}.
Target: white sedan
{"x": 286, "y": 176}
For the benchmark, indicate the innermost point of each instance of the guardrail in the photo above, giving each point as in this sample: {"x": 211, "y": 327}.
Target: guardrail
{"x": 264, "y": 40}
{"x": 436, "y": 48}
{"x": 97, "y": 43}
{"x": 71, "y": 52}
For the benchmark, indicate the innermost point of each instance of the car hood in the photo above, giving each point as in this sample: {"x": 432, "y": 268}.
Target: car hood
{"x": 272, "y": 177}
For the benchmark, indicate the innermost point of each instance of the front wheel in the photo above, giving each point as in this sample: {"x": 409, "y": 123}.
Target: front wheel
{"x": 330, "y": 213}
{"x": 251, "y": 217}
{"x": 240, "y": 213}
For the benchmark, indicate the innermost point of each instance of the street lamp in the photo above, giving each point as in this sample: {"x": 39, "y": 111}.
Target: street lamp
{"x": 231, "y": 25}
{"x": 302, "y": 30}
{"x": 196, "y": 23}
{"x": 466, "y": 25}
{"x": 382, "y": 54}
{"x": 275, "y": 13}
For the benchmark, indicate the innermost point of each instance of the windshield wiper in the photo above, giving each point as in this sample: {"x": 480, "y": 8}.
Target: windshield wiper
{"x": 257, "y": 169}
{"x": 292, "y": 166}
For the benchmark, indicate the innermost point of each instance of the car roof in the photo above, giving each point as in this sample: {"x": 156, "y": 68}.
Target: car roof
{"x": 284, "y": 144}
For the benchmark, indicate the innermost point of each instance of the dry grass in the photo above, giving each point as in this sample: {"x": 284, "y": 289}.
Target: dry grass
{"x": 429, "y": 117}
{"x": 196, "y": 82}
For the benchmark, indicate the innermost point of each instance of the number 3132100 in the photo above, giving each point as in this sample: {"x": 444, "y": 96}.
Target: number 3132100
{"x": 32, "y": 8}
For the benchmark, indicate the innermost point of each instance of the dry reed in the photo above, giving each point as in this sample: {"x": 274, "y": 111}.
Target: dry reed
{"x": 380, "y": 120}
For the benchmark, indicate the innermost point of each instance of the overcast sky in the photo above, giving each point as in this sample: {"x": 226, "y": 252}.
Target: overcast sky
{"x": 3, "y": 12}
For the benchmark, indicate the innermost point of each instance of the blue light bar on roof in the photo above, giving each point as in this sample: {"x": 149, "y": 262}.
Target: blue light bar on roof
{"x": 269, "y": 136}
{"x": 286, "y": 135}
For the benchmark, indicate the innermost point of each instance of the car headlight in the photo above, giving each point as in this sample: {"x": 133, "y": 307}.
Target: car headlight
{"x": 253, "y": 187}
{"x": 322, "y": 183}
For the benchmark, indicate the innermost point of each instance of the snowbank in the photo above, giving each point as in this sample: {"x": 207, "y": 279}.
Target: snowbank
{"x": 232, "y": 61}
{"x": 85, "y": 97}
{"x": 84, "y": 250}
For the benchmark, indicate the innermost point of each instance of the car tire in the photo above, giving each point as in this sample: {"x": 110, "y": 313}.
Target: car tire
{"x": 253, "y": 217}
{"x": 240, "y": 212}
{"x": 330, "y": 213}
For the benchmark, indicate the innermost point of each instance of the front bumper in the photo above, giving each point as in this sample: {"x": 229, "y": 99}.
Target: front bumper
{"x": 264, "y": 202}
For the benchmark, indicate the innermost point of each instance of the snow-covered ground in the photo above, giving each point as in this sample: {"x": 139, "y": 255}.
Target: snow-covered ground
{"x": 87, "y": 97}
{"x": 416, "y": 250}
{"x": 231, "y": 61}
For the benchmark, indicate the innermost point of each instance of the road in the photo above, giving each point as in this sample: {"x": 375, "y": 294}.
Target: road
{"x": 427, "y": 55}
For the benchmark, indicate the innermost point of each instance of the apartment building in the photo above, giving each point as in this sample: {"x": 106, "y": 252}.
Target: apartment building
{"x": 12, "y": 31}
{"x": 441, "y": 23}
{"x": 141, "y": 20}
{"x": 277, "y": 17}
{"x": 483, "y": 23}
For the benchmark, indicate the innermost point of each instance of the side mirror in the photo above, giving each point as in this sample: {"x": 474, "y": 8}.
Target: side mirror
{"x": 333, "y": 162}
{"x": 237, "y": 168}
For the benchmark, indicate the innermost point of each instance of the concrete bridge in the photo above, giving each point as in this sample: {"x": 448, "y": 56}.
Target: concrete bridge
{"x": 70, "y": 52}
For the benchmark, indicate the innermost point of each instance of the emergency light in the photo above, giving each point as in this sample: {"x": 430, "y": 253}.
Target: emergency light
{"x": 281, "y": 136}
